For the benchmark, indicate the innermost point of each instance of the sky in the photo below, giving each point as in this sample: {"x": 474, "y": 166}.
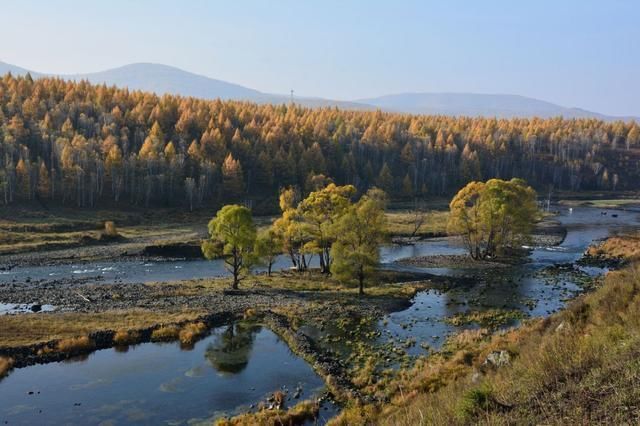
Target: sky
{"x": 576, "y": 53}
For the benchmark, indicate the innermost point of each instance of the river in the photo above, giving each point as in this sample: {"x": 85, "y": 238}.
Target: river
{"x": 236, "y": 367}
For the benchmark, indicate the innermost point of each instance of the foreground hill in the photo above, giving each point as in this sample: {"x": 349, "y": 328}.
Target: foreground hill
{"x": 87, "y": 145}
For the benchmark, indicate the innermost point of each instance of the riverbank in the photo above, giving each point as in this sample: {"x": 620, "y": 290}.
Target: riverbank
{"x": 578, "y": 365}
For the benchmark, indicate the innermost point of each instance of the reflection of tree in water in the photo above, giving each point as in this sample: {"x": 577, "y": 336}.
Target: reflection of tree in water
{"x": 230, "y": 351}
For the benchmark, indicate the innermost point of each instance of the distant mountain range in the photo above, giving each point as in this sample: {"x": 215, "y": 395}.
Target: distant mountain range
{"x": 166, "y": 79}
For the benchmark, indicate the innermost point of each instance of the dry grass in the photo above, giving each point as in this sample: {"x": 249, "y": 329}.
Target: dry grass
{"x": 625, "y": 247}
{"x": 380, "y": 285}
{"x": 165, "y": 333}
{"x": 19, "y": 330}
{"x": 75, "y": 344}
{"x": 190, "y": 333}
{"x": 401, "y": 223}
{"x": 580, "y": 366}
{"x": 28, "y": 229}
{"x": 301, "y": 413}
{"x": 126, "y": 337}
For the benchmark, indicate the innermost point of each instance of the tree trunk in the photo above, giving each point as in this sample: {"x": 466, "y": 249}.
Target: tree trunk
{"x": 236, "y": 269}
{"x": 361, "y": 281}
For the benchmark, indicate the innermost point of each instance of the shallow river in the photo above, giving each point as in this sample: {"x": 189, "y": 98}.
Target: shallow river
{"x": 584, "y": 225}
{"x": 238, "y": 366}
{"x": 535, "y": 288}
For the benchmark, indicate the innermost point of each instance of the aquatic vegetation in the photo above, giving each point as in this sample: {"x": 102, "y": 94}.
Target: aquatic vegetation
{"x": 492, "y": 318}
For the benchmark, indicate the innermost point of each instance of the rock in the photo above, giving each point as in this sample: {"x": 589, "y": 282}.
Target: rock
{"x": 498, "y": 359}
{"x": 36, "y": 307}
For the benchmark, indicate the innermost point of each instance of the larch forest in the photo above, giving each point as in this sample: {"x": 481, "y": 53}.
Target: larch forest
{"x": 83, "y": 145}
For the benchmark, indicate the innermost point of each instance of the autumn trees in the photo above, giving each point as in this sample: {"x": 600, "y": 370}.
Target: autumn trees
{"x": 86, "y": 145}
{"x": 343, "y": 233}
{"x": 359, "y": 233}
{"x": 493, "y": 216}
{"x": 233, "y": 238}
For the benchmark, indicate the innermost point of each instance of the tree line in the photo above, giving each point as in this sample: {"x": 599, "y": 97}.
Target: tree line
{"x": 86, "y": 145}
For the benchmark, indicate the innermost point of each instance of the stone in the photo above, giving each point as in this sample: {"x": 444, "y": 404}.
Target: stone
{"x": 498, "y": 359}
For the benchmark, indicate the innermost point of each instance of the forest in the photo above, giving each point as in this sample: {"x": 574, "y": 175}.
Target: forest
{"x": 83, "y": 145}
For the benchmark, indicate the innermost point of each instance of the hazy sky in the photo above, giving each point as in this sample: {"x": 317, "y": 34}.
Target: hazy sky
{"x": 573, "y": 52}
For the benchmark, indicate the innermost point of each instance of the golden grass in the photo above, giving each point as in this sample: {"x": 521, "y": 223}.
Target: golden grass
{"x": 626, "y": 247}
{"x": 297, "y": 415}
{"x": 126, "y": 337}
{"x": 165, "y": 333}
{"x": 24, "y": 230}
{"x": 19, "y": 330}
{"x": 401, "y": 222}
{"x": 190, "y": 333}
{"x": 74, "y": 344}
{"x": 313, "y": 280}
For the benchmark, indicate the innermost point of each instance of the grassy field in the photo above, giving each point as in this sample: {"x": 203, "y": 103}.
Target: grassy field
{"x": 18, "y": 330}
{"x": 25, "y": 229}
{"x": 402, "y": 223}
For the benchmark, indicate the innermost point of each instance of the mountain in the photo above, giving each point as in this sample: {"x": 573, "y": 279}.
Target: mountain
{"x": 470, "y": 104}
{"x": 15, "y": 70}
{"x": 163, "y": 79}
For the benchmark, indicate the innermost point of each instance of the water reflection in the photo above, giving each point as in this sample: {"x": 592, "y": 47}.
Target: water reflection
{"x": 159, "y": 383}
{"x": 230, "y": 350}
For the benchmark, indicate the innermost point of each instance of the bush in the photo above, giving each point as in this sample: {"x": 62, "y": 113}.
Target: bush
{"x": 474, "y": 402}
{"x": 110, "y": 229}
